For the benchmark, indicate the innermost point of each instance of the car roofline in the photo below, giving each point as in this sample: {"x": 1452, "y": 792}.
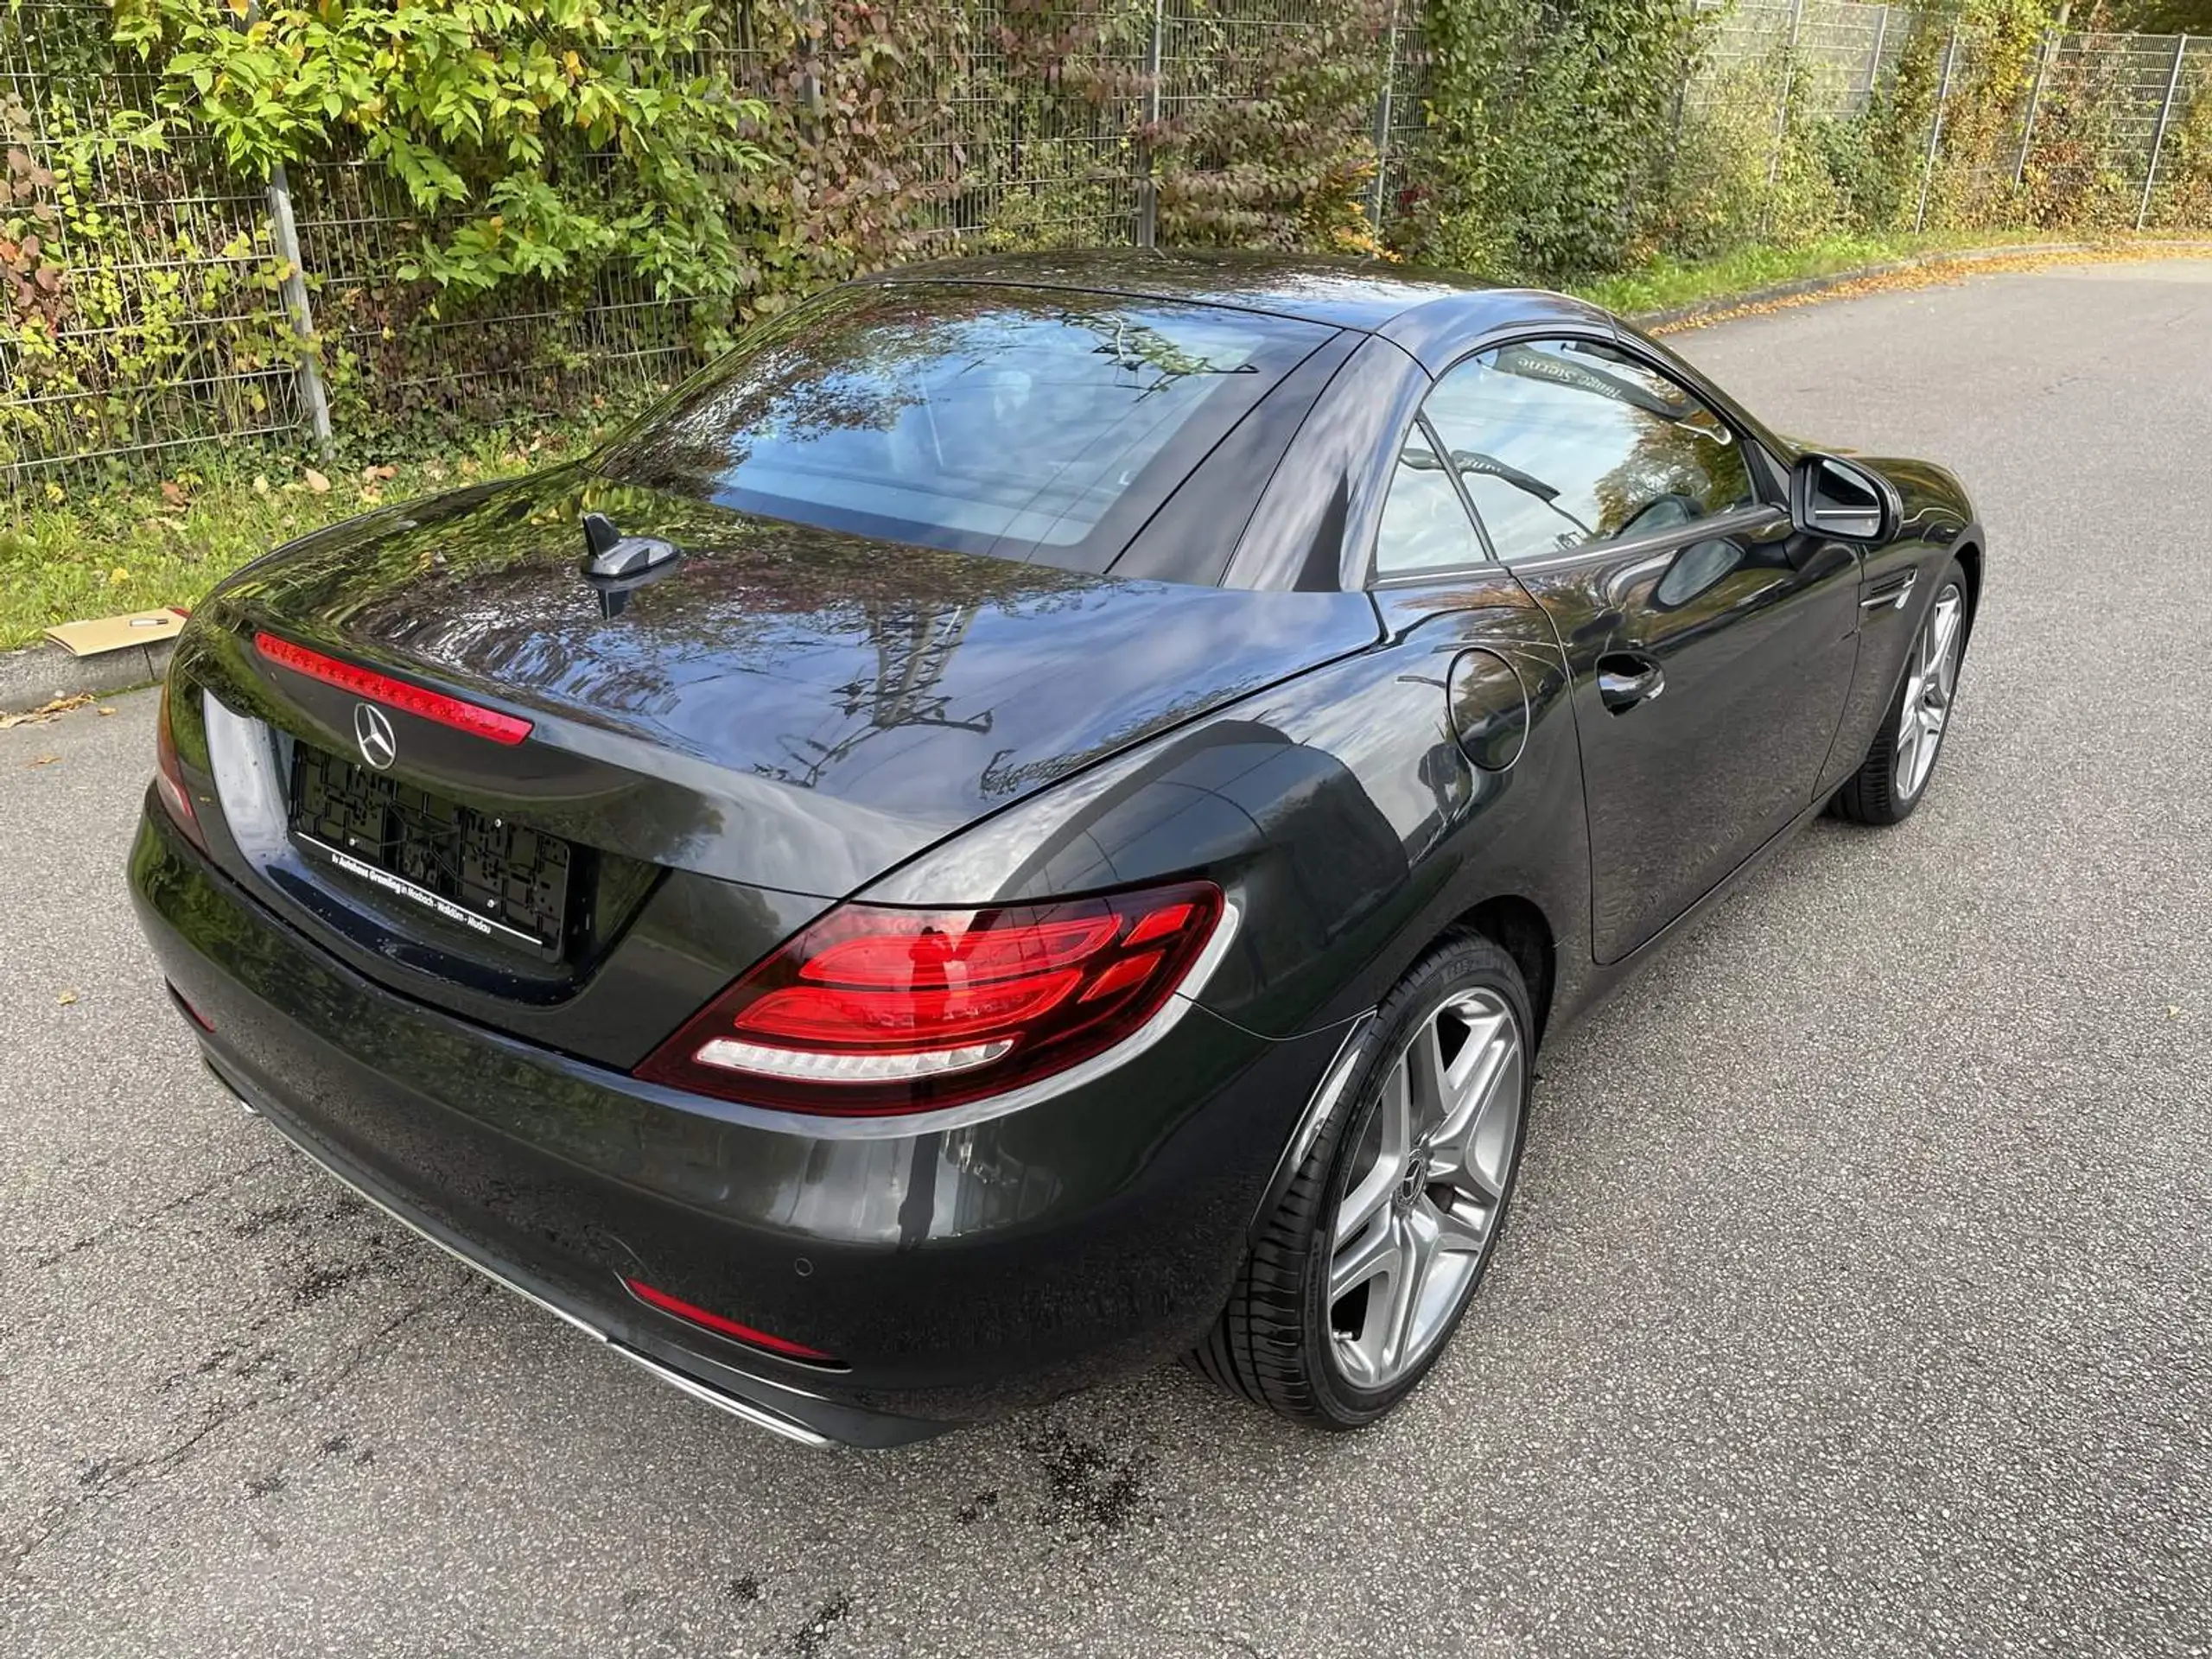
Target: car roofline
{"x": 921, "y": 277}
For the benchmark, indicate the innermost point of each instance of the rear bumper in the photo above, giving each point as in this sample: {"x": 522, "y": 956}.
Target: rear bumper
{"x": 783, "y": 1412}
{"x": 954, "y": 1273}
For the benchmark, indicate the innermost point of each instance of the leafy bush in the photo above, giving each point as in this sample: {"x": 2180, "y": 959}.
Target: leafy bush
{"x": 536, "y": 139}
{"x": 553, "y": 206}
{"x": 1549, "y": 130}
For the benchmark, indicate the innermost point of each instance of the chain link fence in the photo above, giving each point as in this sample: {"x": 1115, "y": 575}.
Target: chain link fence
{"x": 141, "y": 299}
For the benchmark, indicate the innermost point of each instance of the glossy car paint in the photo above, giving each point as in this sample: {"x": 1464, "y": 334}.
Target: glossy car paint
{"x": 791, "y": 718}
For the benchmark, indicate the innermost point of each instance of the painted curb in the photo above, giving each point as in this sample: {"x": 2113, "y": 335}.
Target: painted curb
{"x": 31, "y": 678}
{"x": 1803, "y": 287}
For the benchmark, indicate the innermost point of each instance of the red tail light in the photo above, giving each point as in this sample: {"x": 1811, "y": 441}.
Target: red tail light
{"x": 395, "y": 694}
{"x": 873, "y": 1011}
{"x": 168, "y": 777}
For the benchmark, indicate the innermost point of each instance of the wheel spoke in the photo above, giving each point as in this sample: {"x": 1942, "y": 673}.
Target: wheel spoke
{"x": 1378, "y": 1250}
{"x": 1431, "y": 1097}
{"x": 1463, "y": 1225}
{"x": 1394, "y": 1118}
{"x": 1418, "y": 1228}
{"x": 1487, "y": 1078}
{"x": 1942, "y": 628}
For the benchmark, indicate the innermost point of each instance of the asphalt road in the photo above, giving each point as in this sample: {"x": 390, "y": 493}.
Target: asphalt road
{"x": 1857, "y": 1300}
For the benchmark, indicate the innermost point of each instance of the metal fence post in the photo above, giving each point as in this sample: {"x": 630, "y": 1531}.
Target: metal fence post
{"x": 2035, "y": 101}
{"x": 1147, "y": 185}
{"x": 810, "y": 43}
{"x": 293, "y": 290}
{"x": 1936, "y": 130}
{"x": 1874, "y": 58}
{"x": 1782, "y": 104}
{"x": 1382, "y": 120}
{"x": 2158, "y": 133}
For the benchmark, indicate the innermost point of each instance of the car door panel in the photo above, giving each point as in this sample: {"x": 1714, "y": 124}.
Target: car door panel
{"x": 1712, "y": 649}
{"x": 1752, "y": 651}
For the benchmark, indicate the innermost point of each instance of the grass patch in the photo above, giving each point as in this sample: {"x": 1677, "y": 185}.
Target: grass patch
{"x": 1665, "y": 284}
{"x": 87, "y": 547}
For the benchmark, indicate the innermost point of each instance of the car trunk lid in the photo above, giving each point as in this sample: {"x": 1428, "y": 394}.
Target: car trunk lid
{"x": 787, "y": 709}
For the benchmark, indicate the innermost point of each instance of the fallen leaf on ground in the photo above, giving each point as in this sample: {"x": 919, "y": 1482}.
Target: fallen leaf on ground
{"x": 105, "y": 712}
{"x": 1937, "y": 270}
{"x": 45, "y": 711}
{"x": 66, "y": 998}
{"x": 44, "y": 759}
{"x": 316, "y": 482}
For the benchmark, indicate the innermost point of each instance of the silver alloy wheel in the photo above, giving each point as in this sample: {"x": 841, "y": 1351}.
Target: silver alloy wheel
{"x": 1432, "y": 1164}
{"x": 1931, "y": 681}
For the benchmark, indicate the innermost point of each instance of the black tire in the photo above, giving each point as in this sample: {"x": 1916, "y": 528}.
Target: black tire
{"x": 1273, "y": 1344}
{"x": 1872, "y": 794}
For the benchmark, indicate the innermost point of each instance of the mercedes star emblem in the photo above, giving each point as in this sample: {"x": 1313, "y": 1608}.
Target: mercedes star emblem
{"x": 373, "y": 733}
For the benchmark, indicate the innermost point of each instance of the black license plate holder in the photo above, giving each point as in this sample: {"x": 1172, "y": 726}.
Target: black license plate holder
{"x": 477, "y": 870}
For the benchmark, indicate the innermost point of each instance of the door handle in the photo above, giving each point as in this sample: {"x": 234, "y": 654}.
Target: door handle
{"x": 1626, "y": 679}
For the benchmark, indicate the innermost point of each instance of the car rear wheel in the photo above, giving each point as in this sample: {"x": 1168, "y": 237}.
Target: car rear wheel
{"x": 1364, "y": 1269}
{"x": 1894, "y": 776}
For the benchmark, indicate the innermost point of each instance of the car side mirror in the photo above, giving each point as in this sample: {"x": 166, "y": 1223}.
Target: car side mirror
{"x": 1829, "y": 496}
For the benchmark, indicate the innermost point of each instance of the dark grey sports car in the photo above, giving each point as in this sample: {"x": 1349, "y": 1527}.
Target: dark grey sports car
{"x": 1029, "y": 821}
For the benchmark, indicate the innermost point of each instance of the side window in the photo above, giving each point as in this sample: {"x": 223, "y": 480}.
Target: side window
{"x": 1566, "y": 442}
{"x": 1425, "y": 524}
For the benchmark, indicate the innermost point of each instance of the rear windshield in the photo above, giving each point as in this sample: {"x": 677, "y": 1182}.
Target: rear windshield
{"x": 1027, "y": 423}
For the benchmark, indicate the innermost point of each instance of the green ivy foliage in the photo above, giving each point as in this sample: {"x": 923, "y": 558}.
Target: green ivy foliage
{"x": 120, "y": 329}
{"x": 1284, "y": 157}
{"x": 587, "y": 195}
{"x": 1549, "y": 126}
{"x": 538, "y": 139}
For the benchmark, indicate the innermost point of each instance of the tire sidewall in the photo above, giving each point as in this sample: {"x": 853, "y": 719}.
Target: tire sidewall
{"x": 1464, "y": 964}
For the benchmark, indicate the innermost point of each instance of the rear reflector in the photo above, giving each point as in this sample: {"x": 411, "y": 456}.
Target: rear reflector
{"x": 168, "y": 778}
{"x": 191, "y": 1013}
{"x": 397, "y": 694}
{"x": 723, "y": 1327}
{"x": 875, "y": 1011}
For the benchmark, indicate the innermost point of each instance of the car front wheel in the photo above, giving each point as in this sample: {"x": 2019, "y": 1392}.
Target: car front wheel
{"x": 1894, "y": 776}
{"x": 1364, "y": 1268}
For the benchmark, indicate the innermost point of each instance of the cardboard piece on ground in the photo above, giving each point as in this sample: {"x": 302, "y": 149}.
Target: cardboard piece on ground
{"x": 114, "y": 632}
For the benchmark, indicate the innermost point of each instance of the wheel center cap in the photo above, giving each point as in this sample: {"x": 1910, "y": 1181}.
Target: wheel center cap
{"x": 1411, "y": 1183}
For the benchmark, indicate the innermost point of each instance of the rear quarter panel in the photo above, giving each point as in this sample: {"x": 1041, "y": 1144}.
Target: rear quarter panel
{"x": 1339, "y": 810}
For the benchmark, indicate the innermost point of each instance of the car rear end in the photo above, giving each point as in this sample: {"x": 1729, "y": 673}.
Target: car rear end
{"x": 525, "y": 911}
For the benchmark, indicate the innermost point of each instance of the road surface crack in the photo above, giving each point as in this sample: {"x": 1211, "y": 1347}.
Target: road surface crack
{"x": 127, "y": 1225}
{"x": 113, "y": 1477}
